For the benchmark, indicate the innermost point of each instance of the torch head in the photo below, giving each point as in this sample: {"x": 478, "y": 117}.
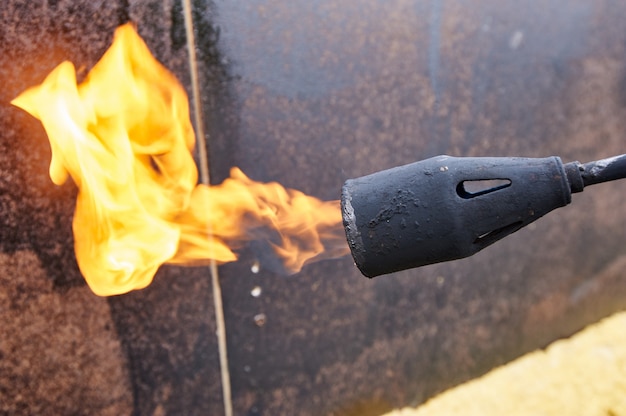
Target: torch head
{"x": 446, "y": 208}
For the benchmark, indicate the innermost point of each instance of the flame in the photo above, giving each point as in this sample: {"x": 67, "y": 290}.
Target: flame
{"x": 125, "y": 138}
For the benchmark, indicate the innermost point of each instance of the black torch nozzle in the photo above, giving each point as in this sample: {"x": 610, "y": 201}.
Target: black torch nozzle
{"x": 446, "y": 208}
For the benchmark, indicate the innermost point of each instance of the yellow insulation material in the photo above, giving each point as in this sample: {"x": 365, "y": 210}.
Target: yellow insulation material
{"x": 582, "y": 375}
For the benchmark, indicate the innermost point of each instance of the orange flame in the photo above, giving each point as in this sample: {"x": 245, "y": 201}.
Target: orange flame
{"x": 124, "y": 137}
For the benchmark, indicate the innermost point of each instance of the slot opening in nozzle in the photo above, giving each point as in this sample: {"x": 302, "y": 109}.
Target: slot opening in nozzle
{"x": 473, "y": 188}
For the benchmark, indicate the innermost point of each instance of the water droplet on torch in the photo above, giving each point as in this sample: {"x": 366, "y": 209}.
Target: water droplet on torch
{"x": 256, "y": 267}
{"x": 256, "y": 291}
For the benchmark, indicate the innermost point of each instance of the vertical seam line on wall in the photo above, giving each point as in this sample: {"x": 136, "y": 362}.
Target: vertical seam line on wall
{"x": 206, "y": 180}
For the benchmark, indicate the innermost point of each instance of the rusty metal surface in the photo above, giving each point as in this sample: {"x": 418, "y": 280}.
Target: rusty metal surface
{"x": 325, "y": 90}
{"x": 65, "y": 350}
{"x": 59, "y": 350}
{"x": 311, "y": 93}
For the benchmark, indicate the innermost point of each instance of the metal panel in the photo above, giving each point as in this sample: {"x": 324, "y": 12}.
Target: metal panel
{"x": 310, "y": 93}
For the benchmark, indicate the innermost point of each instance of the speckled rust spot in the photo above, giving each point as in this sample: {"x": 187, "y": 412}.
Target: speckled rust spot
{"x": 59, "y": 352}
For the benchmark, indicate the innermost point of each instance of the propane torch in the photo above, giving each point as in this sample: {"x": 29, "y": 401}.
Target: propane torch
{"x": 446, "y": 208}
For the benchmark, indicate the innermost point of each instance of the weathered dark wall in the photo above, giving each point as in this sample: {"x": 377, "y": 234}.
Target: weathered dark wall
{"x": 310, "y": 93}
{"x": 328, "y": 90}
{"x": 64, "y": 350}
{"x": 59, "y": 351}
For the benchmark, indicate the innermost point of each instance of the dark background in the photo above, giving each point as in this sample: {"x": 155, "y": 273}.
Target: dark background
{"x": 310, "y": 93}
